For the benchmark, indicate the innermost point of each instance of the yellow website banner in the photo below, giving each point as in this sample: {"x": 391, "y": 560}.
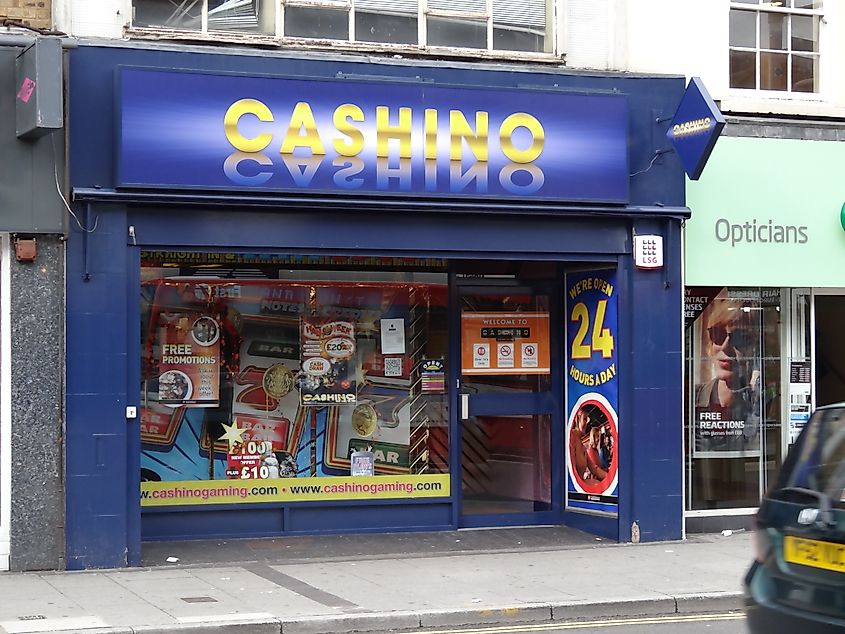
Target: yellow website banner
{"x": 326, "y": 489}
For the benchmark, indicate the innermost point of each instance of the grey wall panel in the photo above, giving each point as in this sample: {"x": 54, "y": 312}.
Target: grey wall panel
{"x": 37, "y": 332}
{"x": 29, "y": 202}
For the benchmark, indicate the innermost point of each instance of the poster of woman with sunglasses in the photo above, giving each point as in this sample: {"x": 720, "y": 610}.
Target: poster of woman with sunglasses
{"x": 727, "y": 398}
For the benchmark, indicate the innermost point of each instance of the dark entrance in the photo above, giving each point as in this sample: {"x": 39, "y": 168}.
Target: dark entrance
{"x": 509, "y": 413}
{"x": 830, "y": 346}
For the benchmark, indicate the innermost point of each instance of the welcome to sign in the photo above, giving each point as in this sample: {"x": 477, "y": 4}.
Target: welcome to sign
{"x": 197, "y": 130}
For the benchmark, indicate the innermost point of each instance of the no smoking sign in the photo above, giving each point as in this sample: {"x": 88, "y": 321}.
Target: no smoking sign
{"x": 505, "y": 356}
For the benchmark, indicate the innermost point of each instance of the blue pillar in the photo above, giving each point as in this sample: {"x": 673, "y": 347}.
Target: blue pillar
{"x": 652, "y": 437}
{"x": 96, "y": 426}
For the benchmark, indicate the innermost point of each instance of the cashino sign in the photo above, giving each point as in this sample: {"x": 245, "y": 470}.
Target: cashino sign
{"x": 191, "y": 130}
{"x": 695, "y": 128}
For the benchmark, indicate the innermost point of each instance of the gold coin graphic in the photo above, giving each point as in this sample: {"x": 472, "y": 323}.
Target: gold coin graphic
{"x": 277, "y": 381}
{"x": 364, "y": 419}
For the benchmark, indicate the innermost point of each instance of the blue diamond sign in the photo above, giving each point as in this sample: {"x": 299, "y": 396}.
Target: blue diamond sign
{"x": 695, "y": 128}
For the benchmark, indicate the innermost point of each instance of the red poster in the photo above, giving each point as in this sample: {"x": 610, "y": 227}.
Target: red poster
{"x": 256, "y": 449}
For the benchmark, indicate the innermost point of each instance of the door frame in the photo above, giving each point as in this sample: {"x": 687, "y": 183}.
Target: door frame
{"x": 550, "y": 403}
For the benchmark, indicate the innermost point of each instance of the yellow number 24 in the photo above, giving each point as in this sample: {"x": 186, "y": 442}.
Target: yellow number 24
{"x": 602, "y": 339}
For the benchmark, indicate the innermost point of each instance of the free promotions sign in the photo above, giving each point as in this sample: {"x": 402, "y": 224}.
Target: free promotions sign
{"x": 194, "y": 130}
{"x": 189, "y": 372}
{"x": 592, "y": 392}
{"x": 505, "y": 343}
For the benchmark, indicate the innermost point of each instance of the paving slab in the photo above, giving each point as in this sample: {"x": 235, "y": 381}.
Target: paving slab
{"x": 518, "y": 576}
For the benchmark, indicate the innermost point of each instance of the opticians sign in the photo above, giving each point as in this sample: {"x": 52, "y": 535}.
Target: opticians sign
{"x": 196, "y": 130}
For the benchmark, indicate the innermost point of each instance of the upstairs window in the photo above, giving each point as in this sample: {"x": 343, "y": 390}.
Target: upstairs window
{"x": 203, "y": 15}
{"x": 491, "y": 25}
{"x": 775, "y": 45}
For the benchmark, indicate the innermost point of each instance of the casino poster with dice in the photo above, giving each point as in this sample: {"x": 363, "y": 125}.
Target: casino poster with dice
{"x": 592, "y": 436}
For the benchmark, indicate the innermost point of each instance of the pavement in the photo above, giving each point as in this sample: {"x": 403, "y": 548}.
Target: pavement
{"x": 394, "y": 582}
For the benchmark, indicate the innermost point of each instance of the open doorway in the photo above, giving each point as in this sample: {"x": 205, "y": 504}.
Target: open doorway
{"x": 829, "y": 349}
{"x": 511, "y": 410}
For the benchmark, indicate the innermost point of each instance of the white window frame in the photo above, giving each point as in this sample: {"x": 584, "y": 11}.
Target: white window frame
{"x": 555, "y": 10}
{"x": 822, "y": 57}
{"x": 5, "y": 404}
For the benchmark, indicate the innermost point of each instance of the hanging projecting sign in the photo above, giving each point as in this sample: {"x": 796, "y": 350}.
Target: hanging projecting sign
{"x": 200, "y": 130}
{"x": 695, "y": 128}
{"x": 505, "y": 343}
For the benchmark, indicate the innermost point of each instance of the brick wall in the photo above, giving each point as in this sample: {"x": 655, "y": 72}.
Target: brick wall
{"x": 35, "y": 13}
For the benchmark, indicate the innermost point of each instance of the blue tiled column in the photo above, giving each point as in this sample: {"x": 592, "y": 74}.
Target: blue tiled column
{"x": 96, "y": 426}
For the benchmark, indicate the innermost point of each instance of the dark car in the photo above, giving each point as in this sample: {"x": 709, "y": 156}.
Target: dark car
{"x": 797, "y": 580}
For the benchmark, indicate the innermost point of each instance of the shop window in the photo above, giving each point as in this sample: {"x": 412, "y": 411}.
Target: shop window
{"x": 775, "y": 45}
{"x": 284, "y": 369}
{"x": 503, "y": 25}
{"x": 734, "y": 423}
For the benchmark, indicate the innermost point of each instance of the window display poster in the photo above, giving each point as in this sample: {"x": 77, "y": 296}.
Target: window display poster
{"x": 592, "y": 392}
{"x": 362, "y": 463}
{"x": 392, "y": 336}
{"x": 249, "y": 459}
{"x": 256, "y": 448}
{"x": 432, "y": 376}
{"x": 696, "y": 300}
{"x": 328, "y": 363}
{"x": 726, "y": 374}
{"x": 189, "y": 362}
{"x": 800, "y": 397}
{"x": 505, "y": 343}
{"x": 260, "y": 440}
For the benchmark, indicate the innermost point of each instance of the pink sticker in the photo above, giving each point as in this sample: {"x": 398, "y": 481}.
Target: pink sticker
{"x": 27, "y": 88}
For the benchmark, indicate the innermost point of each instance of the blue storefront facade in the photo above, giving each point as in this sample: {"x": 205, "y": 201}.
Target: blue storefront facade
{"x": 321, "y": 295}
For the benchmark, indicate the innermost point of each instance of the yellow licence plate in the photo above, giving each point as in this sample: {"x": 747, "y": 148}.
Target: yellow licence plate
{"x": 810, "y": 552}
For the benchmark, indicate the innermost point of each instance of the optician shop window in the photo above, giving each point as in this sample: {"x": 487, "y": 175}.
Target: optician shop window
{"x": 734, "y": 422}
{"x": 775, "y": 45}
{"x": 269, "y": 367}
{"x": 502, "y": 25}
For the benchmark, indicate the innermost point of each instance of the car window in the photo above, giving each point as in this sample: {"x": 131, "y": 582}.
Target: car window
{"x": 818, "y": 460}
